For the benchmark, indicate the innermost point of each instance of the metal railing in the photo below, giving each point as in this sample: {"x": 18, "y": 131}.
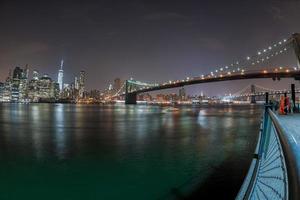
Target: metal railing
{"x": 273, "y": 173}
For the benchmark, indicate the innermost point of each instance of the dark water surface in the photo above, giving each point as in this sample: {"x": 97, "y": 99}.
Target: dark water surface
{"x": 72, "y": 152}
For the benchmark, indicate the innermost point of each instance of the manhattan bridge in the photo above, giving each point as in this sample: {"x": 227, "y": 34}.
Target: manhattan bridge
{"x": 251, "y": 67}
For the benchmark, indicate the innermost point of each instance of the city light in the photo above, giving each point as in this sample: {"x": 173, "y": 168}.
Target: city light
{"x": 76, "y": 90}
{"x": 18, "y": 88}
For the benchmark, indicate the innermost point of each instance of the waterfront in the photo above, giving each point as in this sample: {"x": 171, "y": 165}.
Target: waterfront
{"x": 55, "y": 151}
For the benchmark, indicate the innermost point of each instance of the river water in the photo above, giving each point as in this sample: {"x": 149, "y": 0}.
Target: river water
{"x": 70, "y": 152}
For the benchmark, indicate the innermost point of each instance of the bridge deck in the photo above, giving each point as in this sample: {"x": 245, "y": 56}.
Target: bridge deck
{"x": 291, "y": 125}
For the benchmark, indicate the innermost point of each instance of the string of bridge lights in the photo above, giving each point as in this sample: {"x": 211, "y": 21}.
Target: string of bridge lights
{"x": 236, "y": 67}
{"x": 256, "y": 59}
{"x": 261, "y": 56}
{"x": 268, "y": 57}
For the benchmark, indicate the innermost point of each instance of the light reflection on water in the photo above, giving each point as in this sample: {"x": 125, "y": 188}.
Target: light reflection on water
{"x": 139, "y": 151}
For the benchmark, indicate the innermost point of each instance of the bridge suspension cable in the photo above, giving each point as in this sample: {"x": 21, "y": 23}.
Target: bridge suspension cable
{"x": 249, "y": 67}
{"x": 263, "y": 55}
{"x": 264, "y": 88}
{"x": 119, "y": 91}
{"x": 241, "y": 91}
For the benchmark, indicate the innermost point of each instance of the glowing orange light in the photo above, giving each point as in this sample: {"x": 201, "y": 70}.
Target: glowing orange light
{"x": 265, "y": 71}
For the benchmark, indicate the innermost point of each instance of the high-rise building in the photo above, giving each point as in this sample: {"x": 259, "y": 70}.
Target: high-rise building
{"x": 35, "y": 75}
{"x": 33, "y": 87}
{"x": 117, "y": 84}
{"x": 81, "y": 84}
{"x": 18, "y": 74}
{"x": 45, "y": 87}
{"x": 1, "y": 91}
{"x": 182, "y": 95}
{"x": 26, "y": 72}
{"x": 33, "y": 90}
{"x": 54, "y": 91}
{"x": 23, "y": 89}
{"x": 19, "y": 84}
{"x": 95, "y": 94}
{"x": 110, "y": 87}
{"x": 60, "y": 76}
{"x": 7, "y": 89}
{"x": 9, "y": 74}
{"x": 76, "y": 83}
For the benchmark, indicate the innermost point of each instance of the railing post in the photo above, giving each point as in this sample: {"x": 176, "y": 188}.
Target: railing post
{"x": 293, "y": 97}
{"x": 267, "y": 98}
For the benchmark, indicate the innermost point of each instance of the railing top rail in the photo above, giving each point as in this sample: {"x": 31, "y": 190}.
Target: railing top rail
{"x": 290, "y": 159}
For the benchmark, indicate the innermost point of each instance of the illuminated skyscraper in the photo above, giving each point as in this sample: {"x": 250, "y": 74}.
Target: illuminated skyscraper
{"x": 1, "y": 91}
{"x": 48, "y": 89}
{"x": 7, "y": 89}
{"x": 35, "y": 75}
{"x": 26, "y": 72}
{"x": 81, "y": 84}
{"x": 16, "y": 87}
{"x": 182, "y": 95}
{"x": 61, "y": 76}
{"x": 76, "y": 83}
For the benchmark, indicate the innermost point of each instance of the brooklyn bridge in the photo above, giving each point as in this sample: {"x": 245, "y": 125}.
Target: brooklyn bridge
{"x": 252, "y": 67}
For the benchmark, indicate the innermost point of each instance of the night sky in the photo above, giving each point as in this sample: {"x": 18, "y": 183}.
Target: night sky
{"x": 153, "y": 41}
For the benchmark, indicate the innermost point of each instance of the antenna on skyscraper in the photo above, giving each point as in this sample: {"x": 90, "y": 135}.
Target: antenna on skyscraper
{"x": 61, "y": 64}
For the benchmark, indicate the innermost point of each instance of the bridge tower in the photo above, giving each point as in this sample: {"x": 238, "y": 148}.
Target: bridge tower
{"x": 253, "y": 100}
{"x": 130, "y": 97}
{"x": 296, "y": 45}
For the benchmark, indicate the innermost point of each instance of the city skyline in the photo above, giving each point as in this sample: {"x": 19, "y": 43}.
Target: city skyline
{"x": 94, "y": 38}
{"x": 25, "y": 86}
{"x": 79, "y": 84}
